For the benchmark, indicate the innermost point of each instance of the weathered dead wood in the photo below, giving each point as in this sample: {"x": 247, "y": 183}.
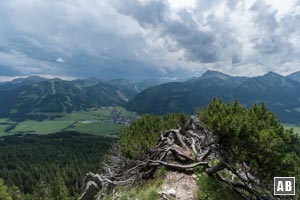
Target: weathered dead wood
{"x": 212, "y": 170}
{"x": 90, "y": 192}
{"x": 205, "y": 155}
{"x": 176, "y": 166}
{"x": 177, "y": 149}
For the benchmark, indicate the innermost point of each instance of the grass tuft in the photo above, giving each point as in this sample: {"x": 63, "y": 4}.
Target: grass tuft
{"x": 210, "y": 189}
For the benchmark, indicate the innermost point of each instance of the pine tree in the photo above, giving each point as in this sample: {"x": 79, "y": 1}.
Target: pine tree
{"x": 41, "y": 191}
{"x": 59, "y": 190}
{"x": 254, "y": 136}
{"x": 15, "y": 193}
{"x": 143, "y": 133}
{"x": 4, "y": 194}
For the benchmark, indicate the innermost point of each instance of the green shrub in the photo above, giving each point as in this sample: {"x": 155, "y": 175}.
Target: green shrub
{"x": 210, "y": 189}
{"x": 138, "y": 138}
{"x": 254, "y": 136}
{"x": 124, "y": 198}
{"x": 4, "y": 194}
{"x": 146, "y": 191}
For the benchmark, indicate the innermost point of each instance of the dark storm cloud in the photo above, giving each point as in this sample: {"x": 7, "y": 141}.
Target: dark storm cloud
{"x": 199, "y": 44}
{"x": 267, "y": 41}
{"x": 36, "y": 36}
{"x": 264, "y": 16}
{"x": 275, "y": 38}
{"x": 200, "y": 40}
{"x": 144, "y": 38}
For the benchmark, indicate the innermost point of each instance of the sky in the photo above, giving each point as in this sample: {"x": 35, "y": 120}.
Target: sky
{"x": 139, "y": 39}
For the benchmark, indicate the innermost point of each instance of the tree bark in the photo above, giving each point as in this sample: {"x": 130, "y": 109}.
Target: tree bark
{"x": 90, "y": 192}
{"x": 212, "y": 170}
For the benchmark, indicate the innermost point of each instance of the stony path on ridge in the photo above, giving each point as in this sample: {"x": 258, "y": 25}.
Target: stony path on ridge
{"x": 179, "y": 186}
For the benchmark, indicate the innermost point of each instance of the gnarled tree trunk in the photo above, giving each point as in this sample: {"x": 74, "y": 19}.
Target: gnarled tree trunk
{"x": 176, "y": 149}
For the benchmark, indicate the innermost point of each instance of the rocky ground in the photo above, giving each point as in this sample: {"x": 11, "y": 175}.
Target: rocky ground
{"x": 179, "y": 186}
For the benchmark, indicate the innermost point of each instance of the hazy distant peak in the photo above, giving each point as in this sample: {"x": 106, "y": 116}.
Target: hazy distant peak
{"x": 29, "y": 79}
{"x": 119, "y": 81}
{"x": 295, "y": 73}
{"x": 272, "y": 74}
{"x": 215, "y": 74}
{"x": 294, "y": 76}
{"x": 92, "y": 79}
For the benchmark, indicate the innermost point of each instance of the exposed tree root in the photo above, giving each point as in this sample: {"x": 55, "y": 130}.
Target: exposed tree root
{"x": 177, "y": 149}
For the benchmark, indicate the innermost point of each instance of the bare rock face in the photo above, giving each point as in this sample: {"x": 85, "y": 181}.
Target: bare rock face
{"x": 178, "y": 186}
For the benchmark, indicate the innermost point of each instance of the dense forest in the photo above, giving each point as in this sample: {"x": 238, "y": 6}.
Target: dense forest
{"x": 49, "y": 166}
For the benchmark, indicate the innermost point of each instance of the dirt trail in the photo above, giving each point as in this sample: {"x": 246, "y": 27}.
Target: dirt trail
{"x": 179, "y": 186}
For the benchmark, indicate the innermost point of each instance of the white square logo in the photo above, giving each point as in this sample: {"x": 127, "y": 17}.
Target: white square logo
{"x": 284, "y": 186}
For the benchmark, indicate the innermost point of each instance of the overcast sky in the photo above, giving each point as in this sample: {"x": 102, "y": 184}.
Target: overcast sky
{"x": 138, "y": 39}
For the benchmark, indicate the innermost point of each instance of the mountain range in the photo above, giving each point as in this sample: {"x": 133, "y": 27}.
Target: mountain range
{"x": 34, "y": 96}
{"x": 280, "y": 93}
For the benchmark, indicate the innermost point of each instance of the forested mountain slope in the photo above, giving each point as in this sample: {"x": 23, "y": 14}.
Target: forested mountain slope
{"x": 281, "y": 94}
{"x": 56, "y": 96}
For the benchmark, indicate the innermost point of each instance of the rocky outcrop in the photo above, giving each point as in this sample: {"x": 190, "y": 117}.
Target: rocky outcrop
{"x": 178, "y": 185}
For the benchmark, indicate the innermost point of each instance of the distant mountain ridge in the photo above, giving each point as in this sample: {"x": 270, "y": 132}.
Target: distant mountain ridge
{"x": 28, "y": 80}
{"x": 295, "y": 76}
{"x": 280, "y": 93}
{"x": 34, "y": 96}
{"x": 214, "y": 74}
{"x": 55, "y": 96}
